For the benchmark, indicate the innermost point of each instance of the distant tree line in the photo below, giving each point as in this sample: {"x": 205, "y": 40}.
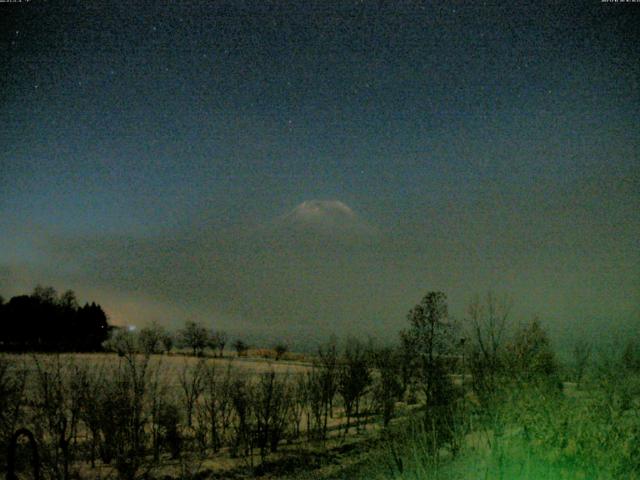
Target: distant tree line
{"x": 47, "y": 322}
{"x": 192, "y": 339}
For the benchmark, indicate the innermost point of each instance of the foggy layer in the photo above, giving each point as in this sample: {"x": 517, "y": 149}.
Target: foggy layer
{"x": 321, "y": 268}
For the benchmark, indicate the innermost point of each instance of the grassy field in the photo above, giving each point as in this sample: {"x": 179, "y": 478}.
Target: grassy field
{"x": 530, "y": 433}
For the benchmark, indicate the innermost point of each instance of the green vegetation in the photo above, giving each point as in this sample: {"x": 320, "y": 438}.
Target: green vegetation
{"x": 532, "y": 432}
{"x": 518, "y": 418}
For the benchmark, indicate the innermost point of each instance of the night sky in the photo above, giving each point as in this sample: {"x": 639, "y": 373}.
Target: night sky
{"x": 291, "y": 169}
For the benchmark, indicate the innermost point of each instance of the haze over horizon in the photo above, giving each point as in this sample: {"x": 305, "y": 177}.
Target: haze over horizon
{"x": 292, "y": 169}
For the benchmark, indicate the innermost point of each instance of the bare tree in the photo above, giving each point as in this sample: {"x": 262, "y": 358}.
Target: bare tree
{"x": 13, "y": 379}
{"x": 45, "y": 294}
{"x": 280, "y": 349}
{"x": 581, "y": 356}
{"x": 317, "y": 405}
{"x": 486, "y": 330}
{"x": 241, "y": 348}
{"x": 429, "y": 337}
{"x": 630, "y": 358}
{"x": 125, "y": 415}
{"x": 215, "y": 409}
{"x": 219, "y": 340}
{"x": 123, "y": 342}
{"x": 151, "y": 338}
{"x": 168, "y": 425}
{"x": 68, "y": 300}
{"x": 167, "y": 342}
{"x": 271, "y": 402}
{"x": 244, "y": 418}
{"x": 299, "y": 403}
{"x": 530, "y": 355}
{"x": 161, "y": 424}
{"x": 191, "y": 380}
{"x": 195, "y": 337}
{"x": 408, "y": 367}
{"x": 328, "y": 361}
{"x": 354, "y": 377}
{"x": 90, "y": 411}
{"x": 387, "y": 389}
{"x": 57, "y": 412}
{"x": 322, "y": 385}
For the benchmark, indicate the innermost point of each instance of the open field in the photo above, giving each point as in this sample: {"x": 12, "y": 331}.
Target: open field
{"x": 354, "y": 410}
{"x": 258, "y": 418}
{"x": 94, "y": 415}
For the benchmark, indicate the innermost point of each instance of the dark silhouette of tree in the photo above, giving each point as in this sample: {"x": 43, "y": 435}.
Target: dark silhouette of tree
{"x": 167, "y": 342}
{"x": 387, "y": 389}
{"x": 43, "y": 322}
{"x": 280, "y": 349}
{"x": 323, "y": 386}
{"x": 92, "y": 327}
{"x": 630, "y": 358}
{"x": 151, "y": 338}
{"x": 354, "y": 377}
{"x": 241, "y": 348}
{"x": 530, "y": 355}
{"x": 11, "y": 456}
{"x": 123, "y": 342}
{"x": 486, "y": 330}
{"x": 68, "y": 300}
{"x": 194, "y": 336}
{"x": 428, "y": 339}
{"x": 271, "y": 404}
{"x": 45, "y": 294}
{"x": 581, "y": 355}
{"x": 219, "y": 341}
